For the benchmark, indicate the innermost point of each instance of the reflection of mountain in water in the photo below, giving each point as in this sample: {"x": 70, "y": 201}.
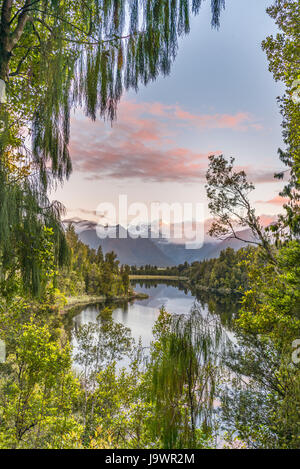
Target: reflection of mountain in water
{"x": 159, "y": 291}
{"x": 141, "y": 315}
{"x": 172, "y": 298}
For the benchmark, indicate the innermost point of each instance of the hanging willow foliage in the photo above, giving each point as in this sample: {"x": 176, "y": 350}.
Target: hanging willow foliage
{"x": 57, "y": 55}
{"x": 184, "y": 375}
{"x": 32, "y": 238}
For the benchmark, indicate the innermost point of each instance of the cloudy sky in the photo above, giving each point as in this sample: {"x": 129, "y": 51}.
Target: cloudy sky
{"x": 219, "y": 98}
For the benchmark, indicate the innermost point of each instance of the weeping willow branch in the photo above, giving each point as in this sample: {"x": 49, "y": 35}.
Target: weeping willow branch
{"x": 87, "y": 55}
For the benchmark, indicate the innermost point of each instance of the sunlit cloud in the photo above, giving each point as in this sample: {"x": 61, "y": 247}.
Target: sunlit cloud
{"x": 176, "y": 115}
{"x": 142, "y": 143}
{"x": 278, "y": 200}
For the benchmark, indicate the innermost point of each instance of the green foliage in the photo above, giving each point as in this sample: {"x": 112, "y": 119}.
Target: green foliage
{"x": 37, "y": 391}
{"x": 222, "y": 275}
{"x": 32, "y": 242}
{"x": 90, "y": 272}
{"x": 121, "y": 414}
{"x": 271, "y": 304}
{"x": 260, "y": 410}
{"x": 43, "y": 404}
{"x": 283, "y": 56}
{"x": 183, "y": 371}
{"x": 226, "y": 274}
{"x": 261, "y": 405}
{"x": 56, "y": 56}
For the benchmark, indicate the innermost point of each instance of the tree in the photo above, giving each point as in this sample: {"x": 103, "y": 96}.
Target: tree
{"x": 228, "y": 191}
{"x": 125, "y": 277}
{"x": 57, "y": 55}
{"x": 98, "y": 347}
{"x": 99, "y": 256}
{"x": 183, "y": 370}
{"x": 283, "y": 56}
{"x": 36, "y": 398}
{"x": 88, "y": 272}
{"x": 262, "y": 409}
{"x": 30, "y": 228}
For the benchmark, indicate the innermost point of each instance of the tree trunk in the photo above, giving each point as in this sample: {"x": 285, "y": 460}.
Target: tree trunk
{"x": 4, "y": 63}
{"x": 5, "y": 53}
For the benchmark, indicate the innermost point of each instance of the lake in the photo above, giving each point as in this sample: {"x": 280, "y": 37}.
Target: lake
{"x": 140, "y": 315}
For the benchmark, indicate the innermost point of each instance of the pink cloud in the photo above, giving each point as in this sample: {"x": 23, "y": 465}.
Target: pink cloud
{"x": 141, "y": 143}
{"x": 258, "y": 175}
{"x": 240, "y": 121}
{"x": 275, "y": 201}
{"x": 132, "y": 158}
{"x": 215, "y": 121}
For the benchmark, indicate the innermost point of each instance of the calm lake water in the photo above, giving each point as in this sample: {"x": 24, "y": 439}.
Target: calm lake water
{"x": 141, "y": 315}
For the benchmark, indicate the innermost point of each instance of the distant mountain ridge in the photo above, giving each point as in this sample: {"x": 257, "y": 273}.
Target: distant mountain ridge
{"x": 160, "y": 251}
{"x": 130, "y": 251}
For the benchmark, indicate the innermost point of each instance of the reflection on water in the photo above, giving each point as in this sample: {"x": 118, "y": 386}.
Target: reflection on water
{"x": 141, "y": 315}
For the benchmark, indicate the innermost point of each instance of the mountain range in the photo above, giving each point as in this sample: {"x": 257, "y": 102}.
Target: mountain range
{"x": 160, "y": 251}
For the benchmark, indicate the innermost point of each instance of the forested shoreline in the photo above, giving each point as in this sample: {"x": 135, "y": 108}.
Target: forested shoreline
{"x": 225, "y": 275}
{"x": 91, "y": 273}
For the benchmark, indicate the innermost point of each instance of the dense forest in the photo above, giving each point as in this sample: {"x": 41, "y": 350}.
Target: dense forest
{"x": 90, "y": 272}
{"x": 55, "y": 56}
{"x": 225, "y": 274}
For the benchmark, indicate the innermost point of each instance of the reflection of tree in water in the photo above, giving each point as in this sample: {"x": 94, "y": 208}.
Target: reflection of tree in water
{"x": 154, "y": 284}
{"x": 68, "y": 319}
{"x": 224, "y": 306}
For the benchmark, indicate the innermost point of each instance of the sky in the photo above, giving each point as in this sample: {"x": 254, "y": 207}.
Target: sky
{"x": 219, "y": 98}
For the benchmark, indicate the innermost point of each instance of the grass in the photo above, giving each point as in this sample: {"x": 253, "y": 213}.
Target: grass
{"x": 84, "y": 300}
